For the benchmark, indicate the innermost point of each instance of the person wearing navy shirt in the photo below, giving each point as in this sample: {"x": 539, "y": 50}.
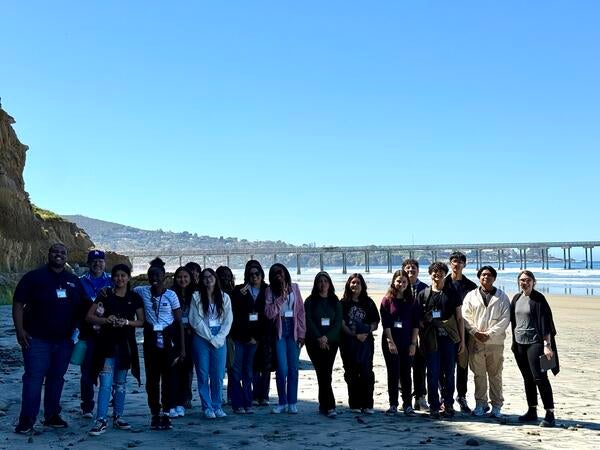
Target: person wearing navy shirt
{"x": 93, "y": 282}
{"x": 47, "y": 305}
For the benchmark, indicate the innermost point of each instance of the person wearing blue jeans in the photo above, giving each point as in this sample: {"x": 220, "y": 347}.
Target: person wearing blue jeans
{"x": 441, "y": 338}
{"x": 48, "y": 303}
{"x": 288, "y": 362}
{"x": 210, "y": 317}
{"x": 242, "y": 371}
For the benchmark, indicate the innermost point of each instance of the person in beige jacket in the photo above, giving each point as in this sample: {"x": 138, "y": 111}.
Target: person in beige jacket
{"x": 486, "y": 313}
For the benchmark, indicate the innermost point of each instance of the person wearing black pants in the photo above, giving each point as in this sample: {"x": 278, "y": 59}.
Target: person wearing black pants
{"x": 400, "y": 321}
{"x": 323, "y": 327}
{"x": 533, "y": 334}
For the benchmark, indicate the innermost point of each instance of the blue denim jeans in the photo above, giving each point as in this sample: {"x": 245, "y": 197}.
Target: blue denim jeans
{"x": 108, "y": 375}
{"x": 241, "y": 375}
{"x": 210, "y": 368}
{"x": 440, "y": 366}
{"x": 288, "y": 361}
{"x": 46, "y": 362}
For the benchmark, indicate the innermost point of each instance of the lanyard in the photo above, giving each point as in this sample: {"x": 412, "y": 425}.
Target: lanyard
{"x": 212, "y": 310}
{"x": 157, "y": 311}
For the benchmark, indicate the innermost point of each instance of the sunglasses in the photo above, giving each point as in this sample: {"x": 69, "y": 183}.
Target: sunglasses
{"x": 254, "y": 274}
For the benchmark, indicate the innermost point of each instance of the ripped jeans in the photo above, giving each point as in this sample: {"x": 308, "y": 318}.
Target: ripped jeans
{"x": 108, "y": 375}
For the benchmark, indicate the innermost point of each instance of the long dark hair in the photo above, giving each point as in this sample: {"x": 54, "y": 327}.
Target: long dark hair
{"x": 348, "y": 293}
{"x": 122, "y": 268}
{"x": 183, "y": 294}
{"x": 392, "y": 292}
{"x": 315, "y": 290}
{"x": 276, "y": 287}
{"x": 217, "y": 293}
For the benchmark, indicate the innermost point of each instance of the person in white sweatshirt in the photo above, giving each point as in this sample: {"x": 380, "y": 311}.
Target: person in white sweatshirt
{"x": 486, "y": 313}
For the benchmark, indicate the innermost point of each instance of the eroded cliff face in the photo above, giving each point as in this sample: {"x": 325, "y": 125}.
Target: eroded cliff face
{"x": 24, "y": 235}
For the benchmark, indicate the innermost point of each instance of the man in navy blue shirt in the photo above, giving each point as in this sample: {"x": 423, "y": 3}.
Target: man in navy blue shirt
{"x": 93, "y": 282}
{"x": 47, "y": 304}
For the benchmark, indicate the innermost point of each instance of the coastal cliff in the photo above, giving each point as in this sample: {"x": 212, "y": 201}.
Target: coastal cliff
{"x": 27, "y": 232}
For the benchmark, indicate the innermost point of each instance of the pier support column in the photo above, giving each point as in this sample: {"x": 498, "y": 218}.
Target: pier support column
{"x": 274, "y": 258}
{"x": 564, "y": 258}
{"x": 180, "y": 259}
{"x": 367, "y": 268}
{"x": 524, "y": 258}
{"x": 591, "y": 259}
{"x": 411, "y": 254}
{"x": 298, "y": 263}
{"x": 542, "y": 257}
{"x": 251, "y": 256}
{"x": 503, "y": 258}
{"x": 344, "y": 268}
{"x": 204, "y": 261}
{"x": 569, "y": 257}
{"x": 228, "y": 261}
{"x": 321, "y": 261}
{"x": 389, "y": 260}
{"x": 521, "y": 258}
{"x": 586, "y": 258}
{"x": 499, "y": 261}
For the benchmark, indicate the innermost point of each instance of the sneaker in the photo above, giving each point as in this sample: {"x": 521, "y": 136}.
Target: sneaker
{"x": 278, "y": 409}
{"x": 530, "y": 415}
{"x": 409, "y": 411}
{"x": 549, "y": 421}
{"x": 332, "y": 413}
{"x": 24, "y": 428}
{"x": 180, "y": 411}
{"x": 392, "y": 410}
{"x": 120, "y": 424}
{"x": 55, "y": 422}
{"x": 368, "y": 411}
{"x": 263, "y": 402}
{"x": 155, "y": 423}
{"x": 239, "y": 411}
{"x": 293, "y": 408}
{"x": 464, "y": 407}
{"x": 220, "y": 413}
{"x": 256, "y": 403}
{"x": 172, "y": 413}
{"x": 87, "y": 414}
{"x": 448, "y": 412}
{"x": 478, "y": 411}
{"x": 495, "y": 414}
{"x": 421, "y": 404}
{"x": 356, "y": 410}
{"x": 209, "y": 414}
{"x": 433, "y": 414}
{"x": 165, "y": 422}
{"x": 249, "y": 410}
{"x": 99, "y": 428}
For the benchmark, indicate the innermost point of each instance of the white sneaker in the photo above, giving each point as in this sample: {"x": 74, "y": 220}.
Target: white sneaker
{"x": 220, "y": 413}
{"x": 421, "y": 404}
{"x": 278, "y": 409}
{"x": 172, "y": 413}
{"x": 478, "y": 411}
{"x": 496, "y": 414}
{"x": 180, "y": 411}
{"x": 293, "y": 408}
{"x": 209, "y": 414}
{"x": 368, "y": 411}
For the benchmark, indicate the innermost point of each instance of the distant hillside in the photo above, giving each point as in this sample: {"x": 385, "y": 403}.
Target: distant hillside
{"x": 123, "y": 238}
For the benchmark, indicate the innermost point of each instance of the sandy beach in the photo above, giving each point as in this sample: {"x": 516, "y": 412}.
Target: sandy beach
{"x": 576, "y": 390}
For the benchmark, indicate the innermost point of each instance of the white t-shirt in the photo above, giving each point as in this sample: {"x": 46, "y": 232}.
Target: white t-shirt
{"x": 159, "y": 309}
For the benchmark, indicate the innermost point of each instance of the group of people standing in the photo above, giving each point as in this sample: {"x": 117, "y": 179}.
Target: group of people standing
{"x": 206, "y": 322}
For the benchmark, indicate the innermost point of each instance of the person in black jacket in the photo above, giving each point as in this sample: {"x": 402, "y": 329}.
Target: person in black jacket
{"x": 249, "y": 326}
{"x": 533, "y": 335}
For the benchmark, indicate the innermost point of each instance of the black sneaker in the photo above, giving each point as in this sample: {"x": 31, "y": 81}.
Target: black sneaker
{"x": 549, "y": 420}
{"x": 155, "y": 423}
{"x": 529, "y": 416}
{"x": 24, "y": 427}
{"x": 464, "y": 407}
{"x": 433, "y": 414}
{"x": 120, "y": 424}
{"x": 55, "y": 422}
{"x": 165, "y": 422}
{"x": 448, "y": 412}
{"x": 99, "y": 428}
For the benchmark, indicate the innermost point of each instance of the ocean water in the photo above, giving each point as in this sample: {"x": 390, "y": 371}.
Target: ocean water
{"x": 555, "y": 280}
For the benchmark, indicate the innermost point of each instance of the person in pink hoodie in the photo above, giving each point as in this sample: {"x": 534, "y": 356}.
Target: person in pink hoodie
{"x": 284, "y": 305}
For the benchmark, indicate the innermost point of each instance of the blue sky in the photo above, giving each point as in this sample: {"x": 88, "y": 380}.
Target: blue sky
{"x": 339, "y": 123}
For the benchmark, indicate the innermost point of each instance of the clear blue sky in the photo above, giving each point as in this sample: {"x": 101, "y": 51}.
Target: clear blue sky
{"x": 337, "y": 122}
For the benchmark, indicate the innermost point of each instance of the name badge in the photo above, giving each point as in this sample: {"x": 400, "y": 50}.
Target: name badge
{"x": 288, "y": 313}
{"x": 214, "y": 323}
{"x": 436, "y": 314}
{"x": 185, "y": 320}
{"x": 253, "y": 317}
{"x": 325, "y": 321}
{"x": 397, "y": 324}
{"x": 158, "y": 327}
{"x": 61, "y": 293}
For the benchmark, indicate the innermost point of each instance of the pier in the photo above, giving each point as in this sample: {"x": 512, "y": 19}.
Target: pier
{"x": 501, "y": 252}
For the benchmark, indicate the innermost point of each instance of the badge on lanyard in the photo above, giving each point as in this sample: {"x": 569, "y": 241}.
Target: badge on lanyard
{"x": 158, "y": 327}
{"x": 185, "y": 320}
{"x": 436, "y": 314}
{"x": 398, "y": 324}
{"x": 253, "y": 317}
{"x": 61, "y": 293}
{"x": 325, "y": 321}
{"x": 288, "y": 313}
{"x": 214, "y": 323}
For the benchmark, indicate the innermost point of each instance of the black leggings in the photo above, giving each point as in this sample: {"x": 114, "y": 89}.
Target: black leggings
{"x": 528, "y": 360}
{"x": 398, "y": 369}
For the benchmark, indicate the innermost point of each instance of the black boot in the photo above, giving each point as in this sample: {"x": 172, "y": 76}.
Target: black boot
{"x": 548, "y": 421}
{"x": 530, "y": 415}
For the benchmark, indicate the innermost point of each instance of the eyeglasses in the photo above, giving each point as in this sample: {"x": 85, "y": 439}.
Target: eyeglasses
{"x": 254, "y": 274}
